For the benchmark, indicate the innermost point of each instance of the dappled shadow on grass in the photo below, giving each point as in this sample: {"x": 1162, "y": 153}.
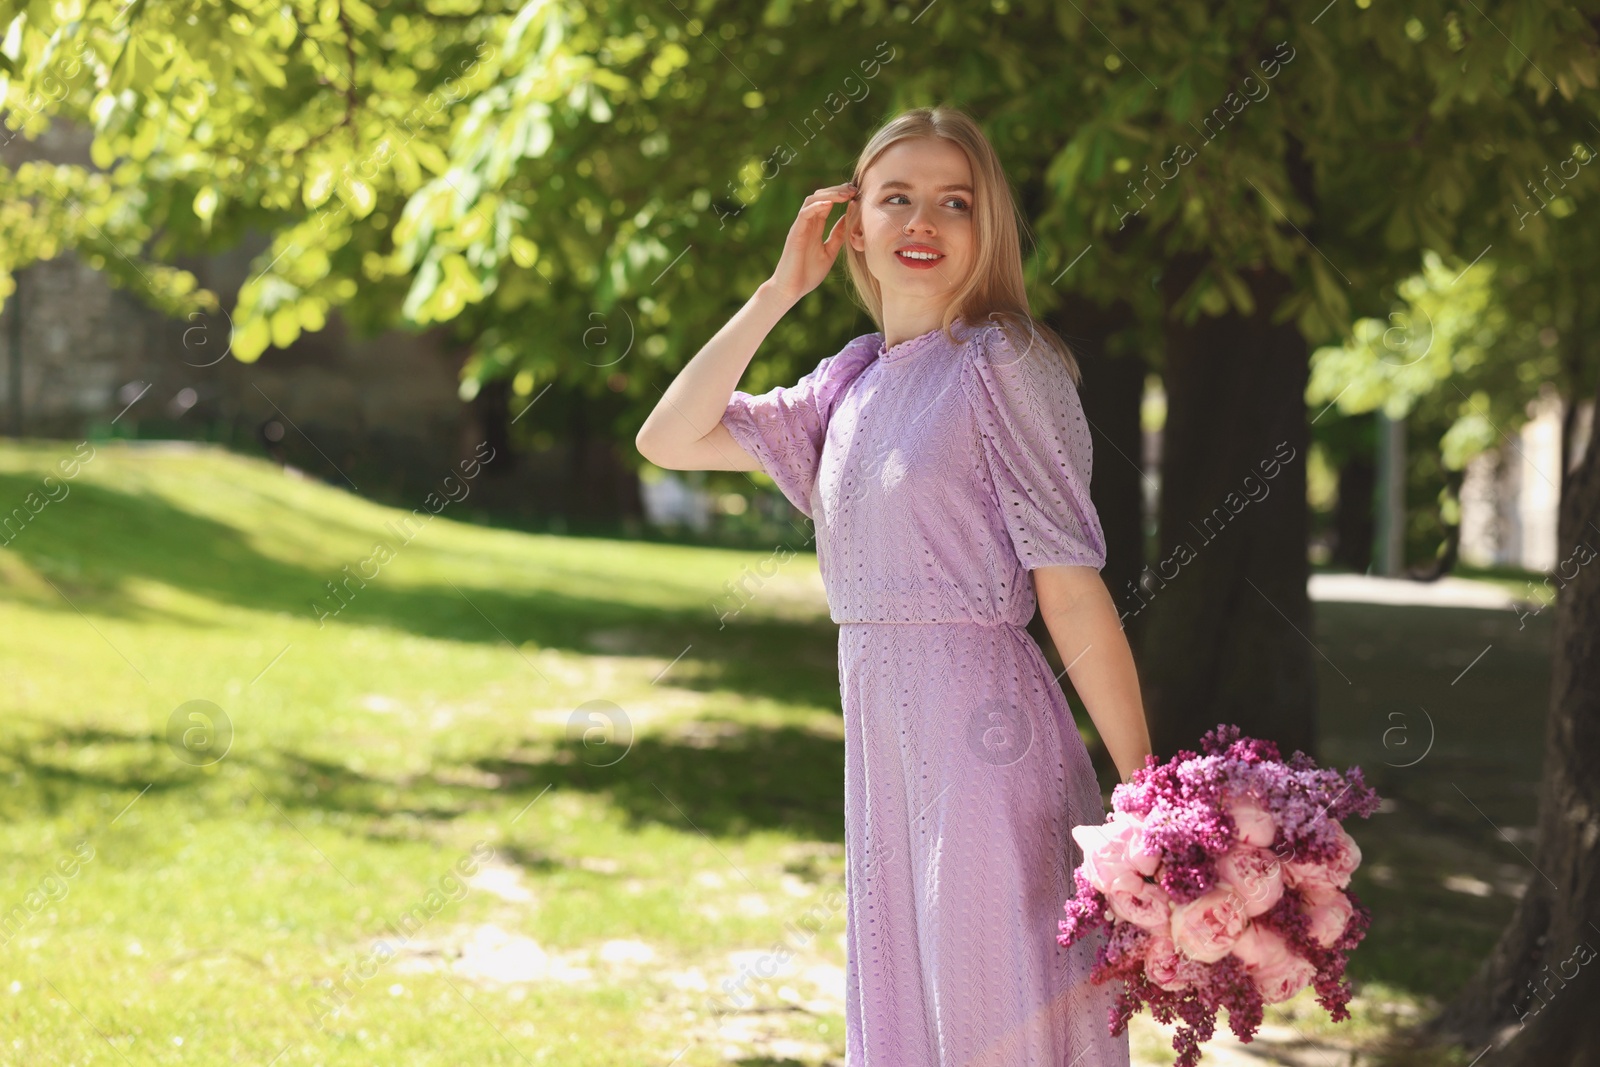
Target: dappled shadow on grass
{"x": 1440, "y": 879}
{"x": 39, "y": 783}
{"x": 96, "y": 541}
{"x": 1444, "y": 710}
{"x": 753, "y": 779}
{"x": 50, "y": 766}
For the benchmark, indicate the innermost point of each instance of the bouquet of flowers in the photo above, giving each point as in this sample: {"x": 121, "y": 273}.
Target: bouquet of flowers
{"x": 1222, "y": 879}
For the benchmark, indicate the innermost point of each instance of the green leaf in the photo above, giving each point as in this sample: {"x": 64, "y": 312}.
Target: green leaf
{"x": 250, "y": 340}
{"x": 358, "y": 195}
{"x": 1238, "y": 292}
{"x": 1400, "y": 233}
{"x": 318, "y": 183}
{"x": 285, "y": 326}
{"x": 1180, "y": 96}
{"x": 430, "y": 156}
{"x": 523, "y": 251}
{"x": 407, "y": 175}
{"x": 205, "y": 204}
{"x": 264, "y": 67}
{"x": 422, "y": 289}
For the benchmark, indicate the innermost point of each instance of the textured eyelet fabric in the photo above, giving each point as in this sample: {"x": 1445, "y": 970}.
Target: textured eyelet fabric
{"x": 938, "y": 473}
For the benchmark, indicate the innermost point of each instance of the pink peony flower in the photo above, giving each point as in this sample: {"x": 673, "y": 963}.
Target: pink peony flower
{"x": 1140, "y": 902}
{"x": 1113, "y": 849}
{"x": 1277, "y": 970}
{"x": 1206, "y": 927}
{"x": 1260, "y": 946}
{"x": 1308, "y": 877}
{"x": 1102, "y": 863}
{"x": 1345, "y": 860}
{"x": 1145, "y": 860}
{"x": 1161, "y": 961}
{"x": 1331, "y": 874}
{"x": 1329, "y": 911}
{"x": 1256, "y": 824}
{"x": 1255, "y": 873}
{"x": 1279, "y": 984}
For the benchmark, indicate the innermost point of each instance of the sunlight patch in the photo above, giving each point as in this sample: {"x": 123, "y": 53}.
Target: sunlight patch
{"x": 494, "y": 954}
{"x": 1465, "y": 883}
{"x": 502, "y": 881}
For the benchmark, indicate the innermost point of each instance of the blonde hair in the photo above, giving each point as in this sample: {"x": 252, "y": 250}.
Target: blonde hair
{"x": 995, "y": 291}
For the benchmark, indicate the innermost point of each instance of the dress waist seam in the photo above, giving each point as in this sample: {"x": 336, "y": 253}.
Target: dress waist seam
{"x": 934, "y": 622}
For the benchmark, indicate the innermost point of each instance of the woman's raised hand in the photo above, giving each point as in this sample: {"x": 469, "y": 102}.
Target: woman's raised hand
{"x": 806, "y": 257}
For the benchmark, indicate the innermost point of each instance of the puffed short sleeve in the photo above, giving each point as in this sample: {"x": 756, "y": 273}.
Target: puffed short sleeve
{"x": 1037, "y": 448}
{"x": 785, "y": 427}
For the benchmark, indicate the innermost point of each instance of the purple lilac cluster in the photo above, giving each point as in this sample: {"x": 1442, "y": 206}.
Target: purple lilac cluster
{"x": 1221, "y": 879}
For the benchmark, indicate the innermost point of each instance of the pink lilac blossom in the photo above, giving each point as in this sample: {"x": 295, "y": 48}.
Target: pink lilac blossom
{"x": 1222, "y": 877}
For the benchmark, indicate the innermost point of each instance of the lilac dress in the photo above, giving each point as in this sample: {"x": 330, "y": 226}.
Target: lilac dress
{"x": 938, "y": 475}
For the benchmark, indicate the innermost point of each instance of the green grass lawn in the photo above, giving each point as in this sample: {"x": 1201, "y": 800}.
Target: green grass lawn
{"x": 527, "y": 799}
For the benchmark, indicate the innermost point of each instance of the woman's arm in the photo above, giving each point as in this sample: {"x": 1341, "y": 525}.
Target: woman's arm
{"x": 1082, "y": 620}
{"x": 685, "y": 431}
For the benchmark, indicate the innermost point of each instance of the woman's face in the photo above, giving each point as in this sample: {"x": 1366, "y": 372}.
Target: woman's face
{"x": 916, "y": 196}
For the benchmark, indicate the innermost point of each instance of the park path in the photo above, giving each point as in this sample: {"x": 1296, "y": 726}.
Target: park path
{"x": 1446, "y": 592}
{"x": 1274, "y": 1044}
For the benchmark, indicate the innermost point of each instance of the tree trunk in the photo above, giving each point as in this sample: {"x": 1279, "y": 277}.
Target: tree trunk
{"x": 1353, "y": 528}
{"x": 1450, "y": 551}
{"x": 491, "y": 418}
{"x": 1113, "y": 391}
{"x": 600, "y": 490}
{"x": 1228, "y": 624}
{"x": 1534, "y": 998}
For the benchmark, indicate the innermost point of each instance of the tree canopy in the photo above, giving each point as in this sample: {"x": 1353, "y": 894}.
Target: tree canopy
{"x": 582, "y": 190}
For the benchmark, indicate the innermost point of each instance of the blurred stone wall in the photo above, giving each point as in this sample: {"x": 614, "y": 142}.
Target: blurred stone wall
{"x": 1511, "y": 494}
{"x": 381, "y": 415}
{"x": 91, "y": 353}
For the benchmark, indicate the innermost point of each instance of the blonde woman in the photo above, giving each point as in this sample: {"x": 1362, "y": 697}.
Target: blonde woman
{"x": 945, "y": 463}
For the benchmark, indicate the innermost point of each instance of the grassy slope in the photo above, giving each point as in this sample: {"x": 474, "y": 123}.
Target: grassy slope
{"x": 370, "y": 754}
{"x": 367, "y": 761}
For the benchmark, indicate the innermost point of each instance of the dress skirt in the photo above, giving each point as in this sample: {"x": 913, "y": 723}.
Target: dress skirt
{"x": 964, "y": 775}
